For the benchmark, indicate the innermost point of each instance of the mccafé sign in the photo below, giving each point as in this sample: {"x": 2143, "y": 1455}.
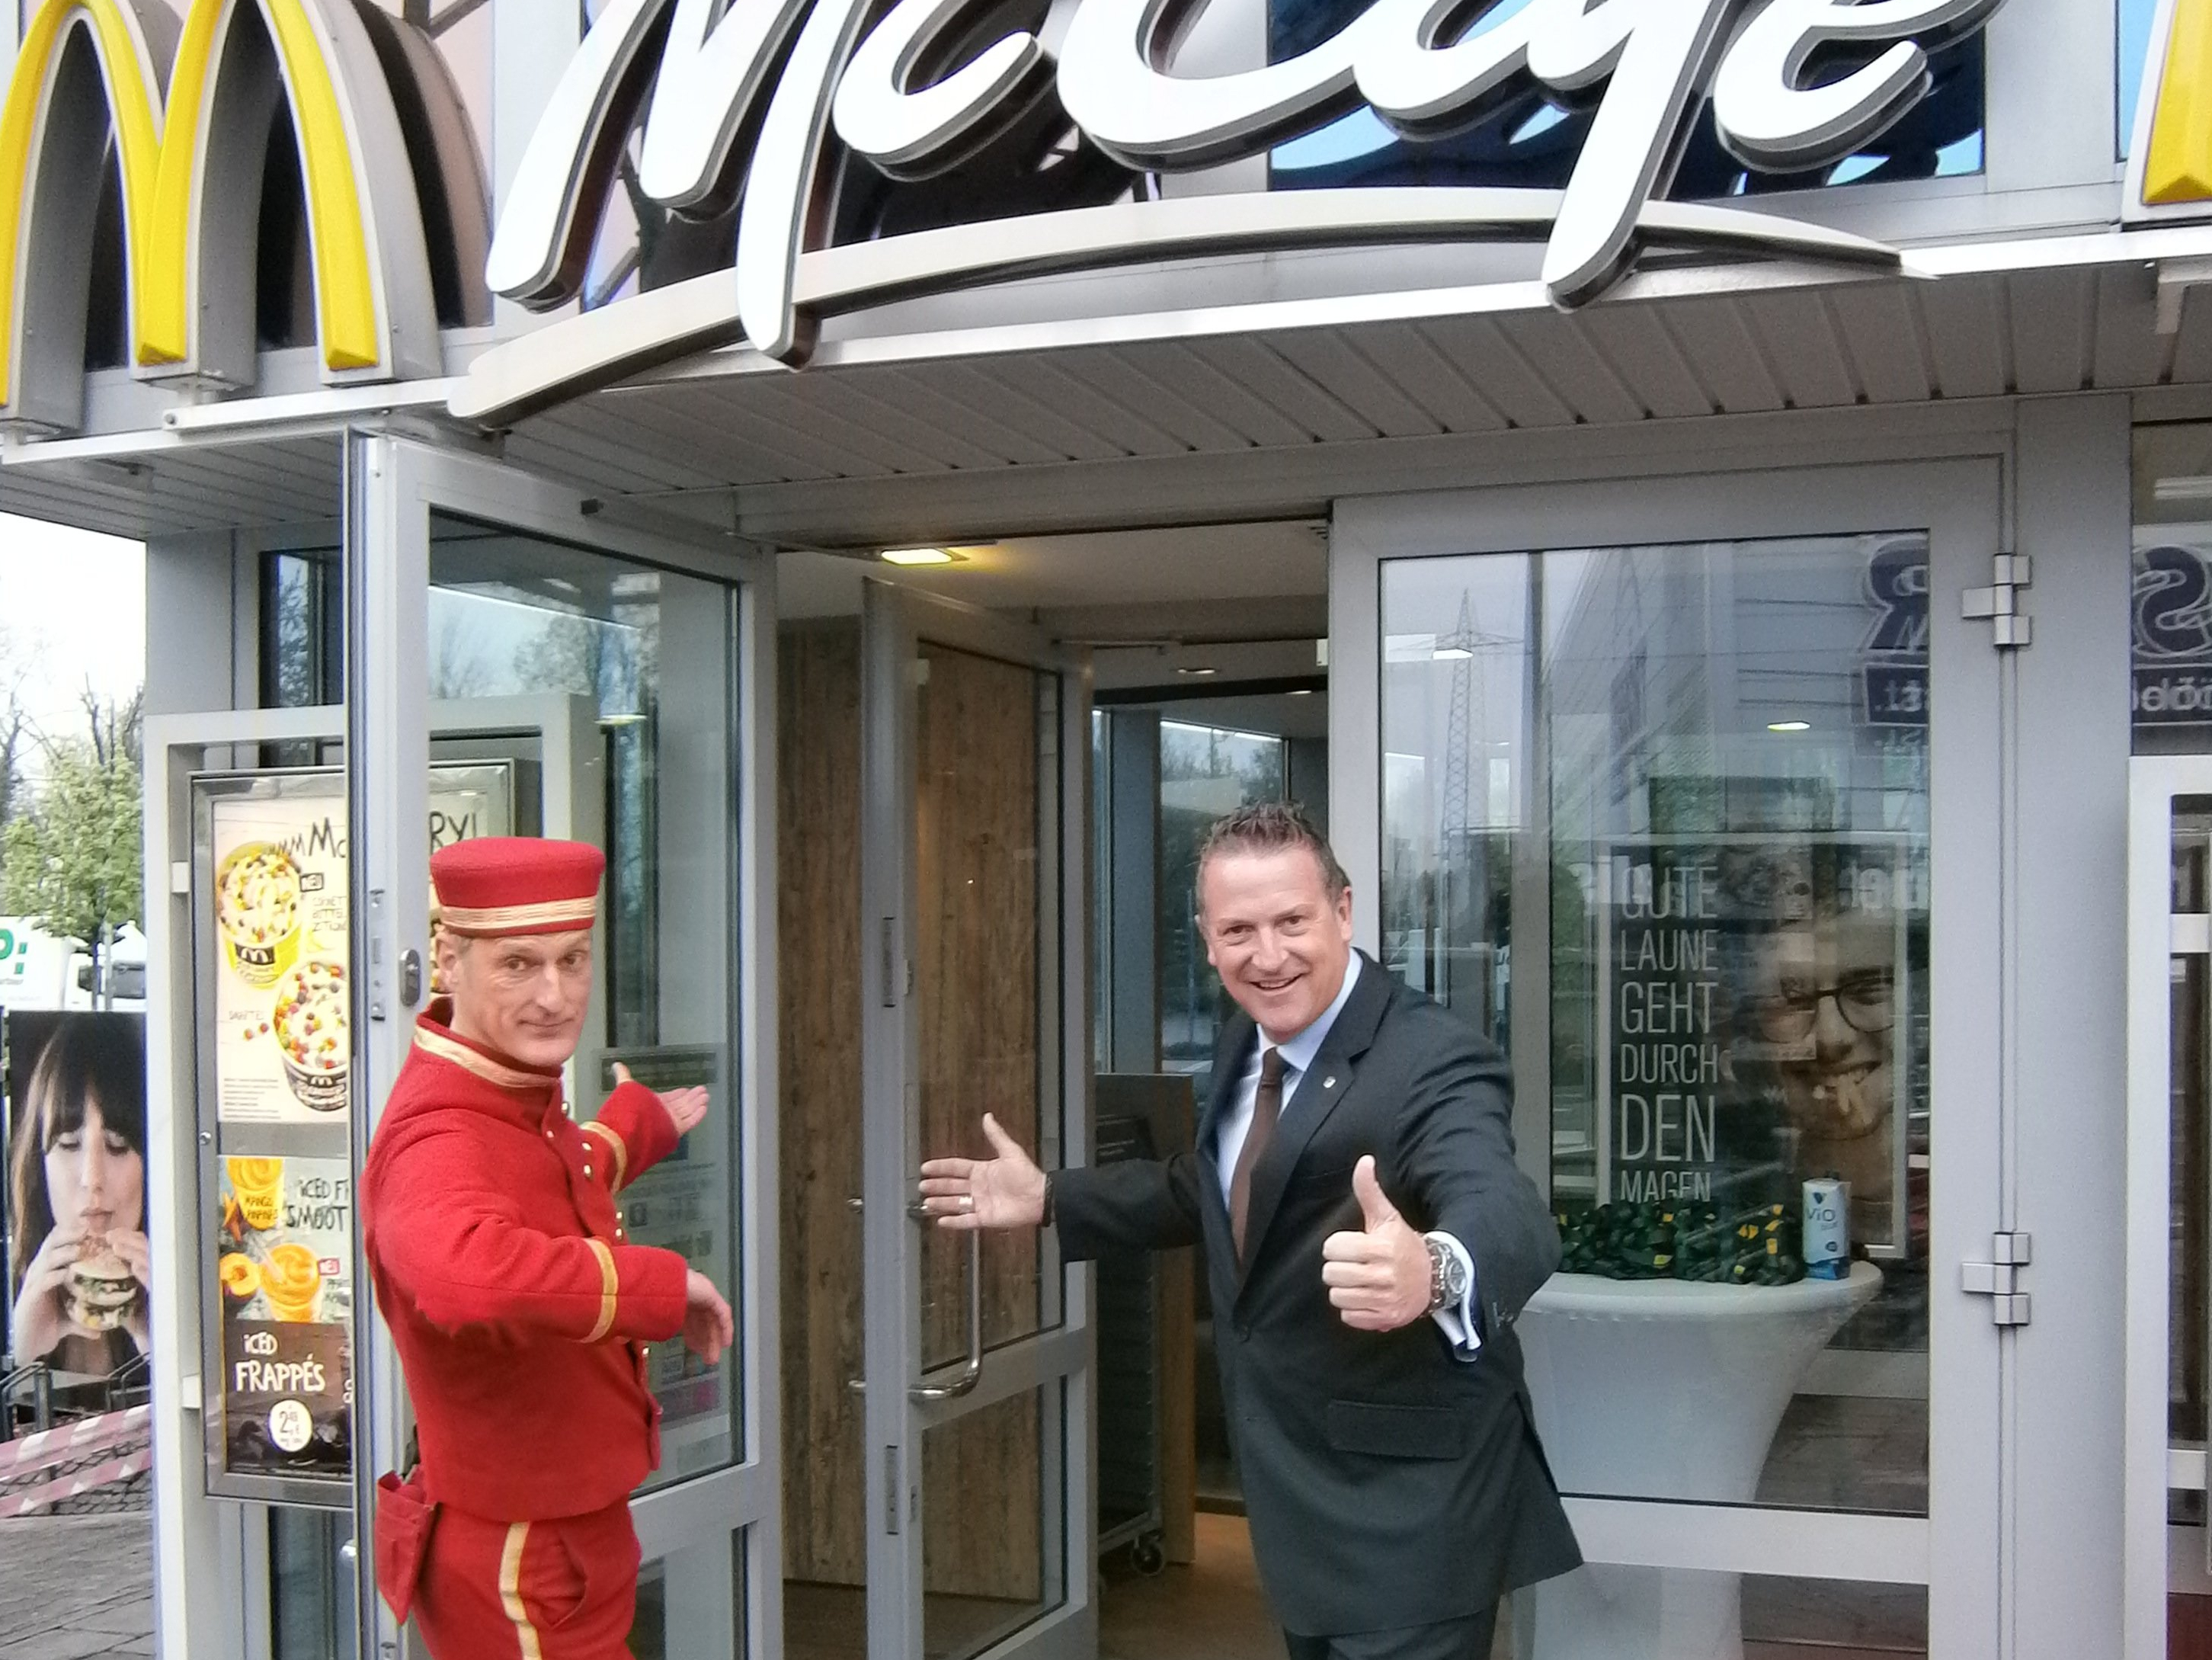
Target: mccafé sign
{"x": 742, "y": 105}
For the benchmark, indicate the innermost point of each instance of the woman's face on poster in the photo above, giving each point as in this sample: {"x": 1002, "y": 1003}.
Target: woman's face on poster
{"x": 1824, "y": 1010}
{"x": 96, "y": 1179}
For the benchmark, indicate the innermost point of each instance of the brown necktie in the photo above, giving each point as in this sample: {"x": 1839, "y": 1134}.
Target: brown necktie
{"x": 1267, "y": 1108}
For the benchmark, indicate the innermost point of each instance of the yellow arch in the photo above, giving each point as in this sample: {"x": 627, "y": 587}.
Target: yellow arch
{"x": 158, "y": 159}
{"x": 2178, "y": 167}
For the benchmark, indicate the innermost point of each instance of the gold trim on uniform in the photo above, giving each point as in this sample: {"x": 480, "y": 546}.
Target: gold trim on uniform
{"x": 510, "y": 1591}
{"x": 497, "y": 919}
{"x": 608, "y": 1283}
{"x": 476, "y": 1060}
{"x": 616, "y": 1144}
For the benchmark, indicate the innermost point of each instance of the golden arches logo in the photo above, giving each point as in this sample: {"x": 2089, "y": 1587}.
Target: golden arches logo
{"x": 160, "y": 147}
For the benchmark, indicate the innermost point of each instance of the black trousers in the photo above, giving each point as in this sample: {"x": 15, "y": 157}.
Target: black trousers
{"x": 1455, "y": 1640}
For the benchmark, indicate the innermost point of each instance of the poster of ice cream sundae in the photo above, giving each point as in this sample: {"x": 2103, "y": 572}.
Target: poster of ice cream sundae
{"x": 277, "y": 895}
{"x": 282, "y": 1255}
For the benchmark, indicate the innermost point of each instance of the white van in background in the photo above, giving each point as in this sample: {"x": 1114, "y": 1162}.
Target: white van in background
{"x": 41, "y": 971}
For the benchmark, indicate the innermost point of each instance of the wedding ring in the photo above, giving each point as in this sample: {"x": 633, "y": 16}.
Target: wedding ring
{"x": 967, "y": 1201}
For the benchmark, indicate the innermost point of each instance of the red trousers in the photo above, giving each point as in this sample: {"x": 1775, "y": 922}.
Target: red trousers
{"x": 563, "y": 1590}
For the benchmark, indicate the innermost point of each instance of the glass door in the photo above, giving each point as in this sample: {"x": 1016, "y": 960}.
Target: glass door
{"x": 1688, "y": 794}
{"x": 975, "y": 752}
{"x": 494, "y": 617}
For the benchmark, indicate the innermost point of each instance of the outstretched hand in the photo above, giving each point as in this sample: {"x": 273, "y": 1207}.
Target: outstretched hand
{"x": 687, "y": 1106}
{"x": 1005, "y": 1190}
{"x": 1378, "y": 1277}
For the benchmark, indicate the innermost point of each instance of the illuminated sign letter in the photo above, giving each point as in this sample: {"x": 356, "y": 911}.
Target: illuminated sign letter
{"x": 188, "y": 162}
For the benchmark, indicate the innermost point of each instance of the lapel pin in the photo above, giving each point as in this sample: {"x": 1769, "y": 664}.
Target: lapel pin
{"x": 1330, "y": 1082}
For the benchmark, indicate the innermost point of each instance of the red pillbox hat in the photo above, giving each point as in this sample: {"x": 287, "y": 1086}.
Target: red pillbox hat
{"x": 498, "y": 886}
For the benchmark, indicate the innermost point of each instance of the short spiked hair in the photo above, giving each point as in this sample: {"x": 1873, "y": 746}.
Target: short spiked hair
{"x": 1271, "y": 827}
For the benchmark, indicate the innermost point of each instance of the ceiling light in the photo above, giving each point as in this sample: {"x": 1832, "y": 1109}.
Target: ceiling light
{"x": 1299, "y": 692}
{"x": 2185, "y": 489}
{"x": 1200, "y": 672}
{"x": 1789, "y": 726}
{"x": 1450, "y": 655}
{"x": 923, "y": 556}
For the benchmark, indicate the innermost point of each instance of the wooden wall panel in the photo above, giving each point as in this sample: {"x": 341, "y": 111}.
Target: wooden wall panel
{"x": 976, "y": 778}
{"x": 819, "y": 943}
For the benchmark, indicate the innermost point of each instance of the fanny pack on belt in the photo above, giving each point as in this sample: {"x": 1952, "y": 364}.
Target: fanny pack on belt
{"x": 404, "y": 1518}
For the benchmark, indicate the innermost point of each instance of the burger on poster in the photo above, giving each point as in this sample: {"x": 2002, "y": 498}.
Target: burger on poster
{"x": 102, "y": 1290}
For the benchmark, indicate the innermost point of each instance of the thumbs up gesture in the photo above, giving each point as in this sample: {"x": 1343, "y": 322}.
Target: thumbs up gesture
{"x": 1377, "y": 1277}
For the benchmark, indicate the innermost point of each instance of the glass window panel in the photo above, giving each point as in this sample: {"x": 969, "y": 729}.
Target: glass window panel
{"x": 1656, "y": 820}
{"x": 311, "y": 1613}
{"x": 982, "y": 1583}
{"x": 692, "y": 1603}
{"x": 986, "y": 974}
{"x": 643, "y": 663}
{"x": 2173, "y": 589}
{"x": 2135, "y": 20}
{"x": 1205, "y": 772}
{"x": 1619, "y": 1611}
{"x": 2191, "y": 1156}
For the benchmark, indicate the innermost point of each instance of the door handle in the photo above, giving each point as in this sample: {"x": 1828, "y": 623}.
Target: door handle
{"x": 972, "y": 1373}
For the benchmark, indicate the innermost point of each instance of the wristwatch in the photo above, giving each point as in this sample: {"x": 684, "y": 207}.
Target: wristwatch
{"x": 1447, "y": 1275}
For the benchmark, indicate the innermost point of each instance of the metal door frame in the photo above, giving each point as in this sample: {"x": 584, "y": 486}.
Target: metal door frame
{"x": 394, "y": 485}
{"x": 2159, "y": 1557}
{"x": 895, "y": 621}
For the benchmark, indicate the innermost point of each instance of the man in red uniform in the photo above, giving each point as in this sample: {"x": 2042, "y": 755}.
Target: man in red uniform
{"x": 520, "y": 1311}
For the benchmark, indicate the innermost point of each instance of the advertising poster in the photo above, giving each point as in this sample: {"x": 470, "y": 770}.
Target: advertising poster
{"x": 1763, "y": 1022}
{"x": 282, "y": 1001}
{"x": 283, "y": 1247}
{"x": 79, "y": 1261}
{"x": 683, "y": 1204}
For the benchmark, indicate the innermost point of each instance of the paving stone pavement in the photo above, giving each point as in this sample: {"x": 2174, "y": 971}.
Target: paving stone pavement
{"x": 76, "y": 1587}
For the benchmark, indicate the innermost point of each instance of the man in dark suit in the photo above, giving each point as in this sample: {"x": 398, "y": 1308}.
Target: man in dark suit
{"x": 1370, "y": 1240}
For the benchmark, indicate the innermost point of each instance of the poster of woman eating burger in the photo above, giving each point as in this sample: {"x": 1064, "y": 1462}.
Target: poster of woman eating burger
{"x": 78, "y": 1263}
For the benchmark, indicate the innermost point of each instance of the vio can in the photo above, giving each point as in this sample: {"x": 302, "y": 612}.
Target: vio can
{"x": 1827, "y": 1229}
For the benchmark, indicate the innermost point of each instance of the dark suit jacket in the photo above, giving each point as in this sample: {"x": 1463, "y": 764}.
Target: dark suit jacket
{"x": 1389, "y": 1482}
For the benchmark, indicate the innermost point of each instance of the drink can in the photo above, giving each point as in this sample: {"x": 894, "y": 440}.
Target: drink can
{"x": 1827, "y": 1229}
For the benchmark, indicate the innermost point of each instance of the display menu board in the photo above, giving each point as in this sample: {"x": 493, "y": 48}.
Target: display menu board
{"x": 282, "y": 1045}
{"x": 274, "y": 995}
{"x": 283, "y": 1252}
{"x": 683, "y": 1204}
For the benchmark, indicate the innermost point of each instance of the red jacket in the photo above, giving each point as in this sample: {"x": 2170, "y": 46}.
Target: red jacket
{"x": 519, "y": 1313}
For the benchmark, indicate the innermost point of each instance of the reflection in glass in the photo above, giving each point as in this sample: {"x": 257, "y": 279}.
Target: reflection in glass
{"x": 992, "y": 1522}
{"x": 533, "y": 639}
{"x": 692, "y": 1603}
{"x": 1617, "y": 1611}
{"x": 1656, "y": 820}
{"x": 1528, "y": 141}
{"x": 1206, "y": 772}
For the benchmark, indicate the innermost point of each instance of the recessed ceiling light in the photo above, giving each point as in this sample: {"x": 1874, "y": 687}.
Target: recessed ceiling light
{"x": 923, "y": 556}
{"x": 1199, "y": 673}
{"x": 1450, "y": 655}
{"x": 1789, "y": 726}
{"x": 1299, "y": 692}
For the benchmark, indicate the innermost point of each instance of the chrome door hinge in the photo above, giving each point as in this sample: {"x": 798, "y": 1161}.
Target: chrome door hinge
{"x": 1998, "y": 604}
{"x": 1998, "y": 1279}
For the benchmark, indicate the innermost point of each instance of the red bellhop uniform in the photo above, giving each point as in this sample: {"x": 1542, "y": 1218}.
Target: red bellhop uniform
{"x": 520, "y": 1314}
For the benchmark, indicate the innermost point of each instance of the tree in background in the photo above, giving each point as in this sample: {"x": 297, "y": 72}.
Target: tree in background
{"x": 73, "y": 856}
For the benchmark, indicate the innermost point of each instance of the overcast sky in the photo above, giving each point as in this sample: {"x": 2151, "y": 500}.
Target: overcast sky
{"x": 73, "y": 606}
